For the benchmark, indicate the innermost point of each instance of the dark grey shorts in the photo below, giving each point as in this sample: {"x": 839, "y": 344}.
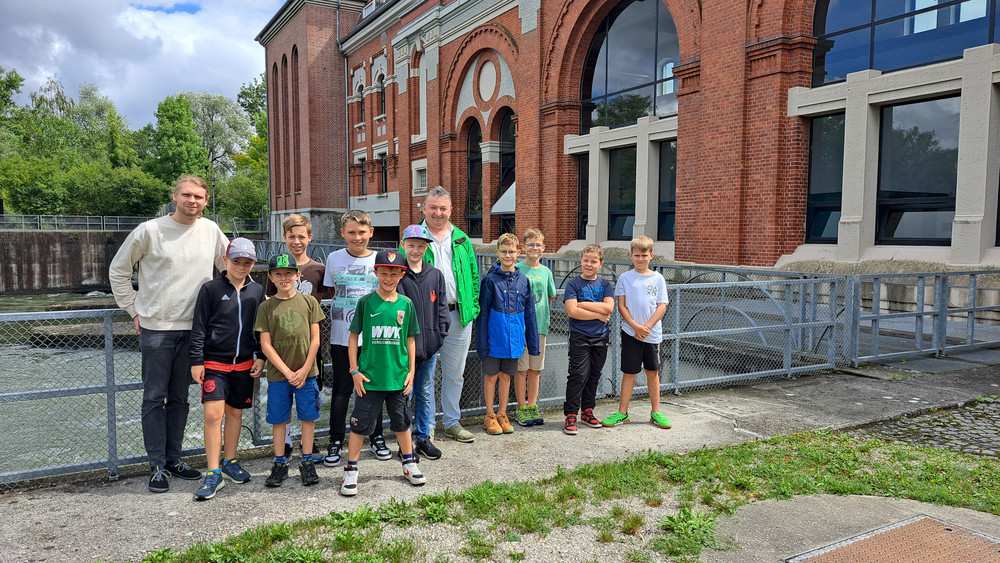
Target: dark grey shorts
{"x": 493, "y": 366}
{"x": 368, "y": 410}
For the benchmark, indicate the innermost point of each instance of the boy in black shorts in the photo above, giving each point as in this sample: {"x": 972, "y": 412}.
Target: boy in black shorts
{"x": 223, "y": 346}
{"x": 382, "y": 367}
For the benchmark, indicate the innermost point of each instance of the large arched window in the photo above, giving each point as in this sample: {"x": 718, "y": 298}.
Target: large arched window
{"x": 629, "y": 72}
{"x": 361, "y": 104}
{"x": 508, "y": 159}
{"x": 888, "y": 35}
{"x": 381, "y": 94}
{"x": 474, "y": 194}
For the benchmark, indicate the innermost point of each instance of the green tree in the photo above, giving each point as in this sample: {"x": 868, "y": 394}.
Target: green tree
{"x": 31, "y": 186}
{"x": 10, "y": 85}
{"x": 97, "y": 188}
{"x": 623, "y": 110}
{"x": 252, "y": 96}
{"x": 176, "y": 148}
{"x": 241, "y": 196}
{"x": 223, "y": 127}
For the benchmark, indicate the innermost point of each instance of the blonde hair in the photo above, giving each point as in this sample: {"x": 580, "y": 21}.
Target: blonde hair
{"x": 644, "y": 244}
{"x": 593, "y": 249}
{"x": 194, "y": 179}
{"x": 358, "y": 216}
{"x": 296, "y": 220}
{"x": 506, "y": 238}
{"x": 533, "y": 233}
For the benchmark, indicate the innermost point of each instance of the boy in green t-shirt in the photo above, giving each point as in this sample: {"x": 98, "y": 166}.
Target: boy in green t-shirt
{"x": 288, "y": 324}
{"x": 529, "y": 368}
{"x": 385, "y": 323}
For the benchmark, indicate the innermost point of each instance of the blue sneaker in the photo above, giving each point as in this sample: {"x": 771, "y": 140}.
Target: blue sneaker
{"x": 213, "y": 482}
{"x": 234, "y": 472}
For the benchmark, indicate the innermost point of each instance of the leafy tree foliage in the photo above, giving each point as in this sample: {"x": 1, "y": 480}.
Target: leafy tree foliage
{"x": 31, "y": 185}
{"x": 252, "y": 96}
{"x": 241, "y": 196}
{"x": 223, "y": 127}
{"x": 177, "y": 148}
{"x": 100, "y": 189}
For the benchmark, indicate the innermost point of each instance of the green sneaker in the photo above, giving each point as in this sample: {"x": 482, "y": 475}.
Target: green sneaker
{"x": 659, "y": 419}
{"x": 615, "y": 419}
{"x": 536, "y": 415}
{"x": 523, "y": 416}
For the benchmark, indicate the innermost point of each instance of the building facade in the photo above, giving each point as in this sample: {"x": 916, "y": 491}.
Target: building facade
{"x": 731, "y": 132}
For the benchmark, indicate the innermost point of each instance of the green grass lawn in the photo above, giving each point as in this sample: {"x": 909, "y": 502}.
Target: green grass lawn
{"x": 704, "y": 484}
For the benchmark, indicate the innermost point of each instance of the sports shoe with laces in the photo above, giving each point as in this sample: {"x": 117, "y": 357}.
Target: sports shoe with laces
{"x": 349, "y": 486}
{"x": 492, "y": 425}
{"x": 211, "y": 485}
{"x": 616, "y": 419}
{"x": 523, "y": 417}
{"x": 459, "y": 434}
{"x": 536, "y": 415}
{"x": 427, "y": 449}
{"x": 182, "y": 470}
{"x": 234, "y": 472}
{"x": 413, "y": 474}
{"x": 505, "y": 424}
{"x": 332, "y": 458}
{"x": 399, "y": 455}
{"x": 307, "y": 472}
{"x": 381, "y": 451}
{"x": 279, "y": 472}
{"x": 569, "y": 427}
{"x": 158, "y": 480}
{"x": 587, "y": 417}
{"x": 660, "y": 420}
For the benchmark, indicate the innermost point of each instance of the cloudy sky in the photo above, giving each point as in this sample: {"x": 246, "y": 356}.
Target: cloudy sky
{"x": 137, "y": 53}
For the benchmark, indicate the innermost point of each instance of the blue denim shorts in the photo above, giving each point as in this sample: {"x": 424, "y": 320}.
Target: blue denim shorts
{"x": 279, "y": 401}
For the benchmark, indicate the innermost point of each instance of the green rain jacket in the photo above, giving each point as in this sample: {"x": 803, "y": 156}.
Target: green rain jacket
{"x": 466, "y": 270}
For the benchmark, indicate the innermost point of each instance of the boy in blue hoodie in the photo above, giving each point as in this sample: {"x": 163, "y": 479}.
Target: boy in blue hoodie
{"x": 223, "y": 346}
{"x": 505, "y": 326}
{"x": 425, "y": 286}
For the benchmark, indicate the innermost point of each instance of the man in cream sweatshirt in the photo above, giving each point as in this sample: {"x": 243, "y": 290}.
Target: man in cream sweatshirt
{"x": 176, "y": 254}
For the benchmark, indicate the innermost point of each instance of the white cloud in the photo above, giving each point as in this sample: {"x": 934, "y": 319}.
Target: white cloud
{"x": 137, "y": 53}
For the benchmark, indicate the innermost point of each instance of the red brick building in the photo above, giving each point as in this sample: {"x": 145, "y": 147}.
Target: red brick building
{"x": 730, "y": 132}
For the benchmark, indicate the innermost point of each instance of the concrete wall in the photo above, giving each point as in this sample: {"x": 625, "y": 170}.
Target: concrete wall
{"x": 38, "y": 262}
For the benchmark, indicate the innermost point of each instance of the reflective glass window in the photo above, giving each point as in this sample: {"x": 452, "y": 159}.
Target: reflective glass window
{"x": 918, "y": 172}
{"x": 826, "y": 178}
{"x": 583, "y": 195}
{"x": 621, "y": 193}
{"x": 474, "y": 194}
{"x": 668, "y": 191}
{"x": 629, "y": 72}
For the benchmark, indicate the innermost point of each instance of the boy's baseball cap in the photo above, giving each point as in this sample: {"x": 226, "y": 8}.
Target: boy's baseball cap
{"x": 241, "y": 248}
{"x": 390, "y": 258}
{"x": 417, "y": 231}
{"x": 282, "y": 261}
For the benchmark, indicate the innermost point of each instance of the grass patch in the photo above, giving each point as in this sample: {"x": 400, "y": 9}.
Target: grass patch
{"x": 707, "y": 484}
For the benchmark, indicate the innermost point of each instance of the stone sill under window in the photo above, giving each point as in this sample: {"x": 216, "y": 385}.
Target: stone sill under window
{"x": 382, "y": 195}
{"x": 380, "y": 117}
{"x": 359, "y": 126}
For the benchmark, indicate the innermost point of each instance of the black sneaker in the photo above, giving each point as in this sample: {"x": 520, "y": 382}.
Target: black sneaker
{"x": 332, "y": 458}
{"x": 279, "y": 472}
{"x": 158, "y": 481}
{"x": 307, "y": 471}
{"x": 427, "y": 449}
{"x": 183, "y": 470}
{"x": 381, "y": 451}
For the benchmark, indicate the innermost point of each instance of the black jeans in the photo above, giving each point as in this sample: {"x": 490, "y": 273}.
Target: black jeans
{"x": 586, "y": 360}
{"x": 166, "y": 375}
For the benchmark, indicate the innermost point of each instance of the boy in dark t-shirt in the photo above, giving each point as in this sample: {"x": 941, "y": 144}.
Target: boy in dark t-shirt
{"x": 382, "y": 367}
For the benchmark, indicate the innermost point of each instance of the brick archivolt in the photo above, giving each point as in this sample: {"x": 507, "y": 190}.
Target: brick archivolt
{"x": 480, "y": 41}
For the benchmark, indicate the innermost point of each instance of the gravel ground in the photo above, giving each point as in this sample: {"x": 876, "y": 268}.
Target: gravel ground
{"x": 122, "y": 521}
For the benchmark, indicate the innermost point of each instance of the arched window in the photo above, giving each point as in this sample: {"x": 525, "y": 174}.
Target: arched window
{"x": 853, "y": 35}
{"x": 361, "y": 104}
{"x": 381, "y": 95}
{"x": 474, "y": 194}
{"x": 508, "y": 160}
{"x": 629, "y": 72}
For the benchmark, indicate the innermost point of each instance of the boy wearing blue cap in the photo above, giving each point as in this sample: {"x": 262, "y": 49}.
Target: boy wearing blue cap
{"x": 223, "y": 346}
{"x": 425, "y": 286}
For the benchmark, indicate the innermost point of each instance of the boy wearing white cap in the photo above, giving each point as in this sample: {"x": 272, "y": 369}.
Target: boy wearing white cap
{"x": 223, "y": 346}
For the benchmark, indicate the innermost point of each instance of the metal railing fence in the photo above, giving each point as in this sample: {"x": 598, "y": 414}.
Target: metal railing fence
{"x": 10, "y": 222}
{"x": 70, "y": 390}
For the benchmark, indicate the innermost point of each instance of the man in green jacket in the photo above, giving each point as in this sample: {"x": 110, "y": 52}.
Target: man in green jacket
{"x": 451, "y": 252}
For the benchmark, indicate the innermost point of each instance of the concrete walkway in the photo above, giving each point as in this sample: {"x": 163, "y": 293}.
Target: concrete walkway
{"x": 122, "y": 521}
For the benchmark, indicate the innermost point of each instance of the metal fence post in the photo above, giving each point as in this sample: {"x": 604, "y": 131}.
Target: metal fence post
{"x": 786, "y": 356}
{"x": 110, "y": 394}
{"x": 941, "y": 291}
{"x": 852, "y": 324}
{"x": 675, "y": 353}
{"x": 831, "y": 351}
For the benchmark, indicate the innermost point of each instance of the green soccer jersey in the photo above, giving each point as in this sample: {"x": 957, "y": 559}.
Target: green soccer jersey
{"x": 288, "y": 321}
{"x": 542, "y": 288}
{"x": 384, "y": 326}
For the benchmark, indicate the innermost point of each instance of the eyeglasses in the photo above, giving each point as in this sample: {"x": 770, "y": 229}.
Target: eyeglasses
{"x": 507, "y": 252}
{"x": 534, "y": 245}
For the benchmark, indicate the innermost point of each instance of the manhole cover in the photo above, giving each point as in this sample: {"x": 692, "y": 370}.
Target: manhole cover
{"x": 919, "y": 539}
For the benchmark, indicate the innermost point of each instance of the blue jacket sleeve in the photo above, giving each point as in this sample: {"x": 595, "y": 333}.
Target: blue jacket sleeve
{"x": 202, "y": 312}
{"x": 530, "y": 322}
{"x": 483, "y": 320}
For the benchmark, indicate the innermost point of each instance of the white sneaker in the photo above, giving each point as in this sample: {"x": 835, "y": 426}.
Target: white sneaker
{"x": 412, "y": 472}
{"x": 349, "y": 486}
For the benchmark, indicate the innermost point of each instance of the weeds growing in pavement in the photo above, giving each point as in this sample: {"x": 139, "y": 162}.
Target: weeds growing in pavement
{"x": 706, "y": 483}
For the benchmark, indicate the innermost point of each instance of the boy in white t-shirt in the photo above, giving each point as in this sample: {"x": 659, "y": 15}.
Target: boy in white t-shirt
{"x": 642, "y": 301}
